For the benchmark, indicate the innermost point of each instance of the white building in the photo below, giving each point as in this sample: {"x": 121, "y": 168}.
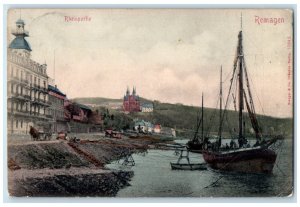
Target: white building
{"x": 157, "y": 128}
{"x": 143, "y": 126}
{"x": 168, "y": 131}
{"x": 27, "y": 86}
{"x": 56, "y": 109}
{"x": 146, "y": 107}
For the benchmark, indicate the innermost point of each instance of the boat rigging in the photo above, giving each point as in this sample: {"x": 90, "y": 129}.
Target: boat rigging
{"x": 258, "y": 158}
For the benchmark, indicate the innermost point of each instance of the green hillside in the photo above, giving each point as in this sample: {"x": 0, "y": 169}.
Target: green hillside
{"x": 102, "y": 101}
{"x": 184, "y": 118}
{"x": 96, "y": 100}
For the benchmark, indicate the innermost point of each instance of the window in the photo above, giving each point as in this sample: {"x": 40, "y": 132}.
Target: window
{"x": 17, "y": 124}
{"x": 21, "y": 124}
{"x": 34, "y": 80}
{"x": 12, "y": 71}
{"x": 39, "y": 82}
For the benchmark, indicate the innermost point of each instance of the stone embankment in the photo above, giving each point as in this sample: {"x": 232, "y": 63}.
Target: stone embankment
{"x": 64, "y": 168}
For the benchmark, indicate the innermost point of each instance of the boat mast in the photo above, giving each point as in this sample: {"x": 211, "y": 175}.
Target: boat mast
{"x": 241, "y": 89}
{"x": 202, "y": 120}
{"x": 220, "y": 126}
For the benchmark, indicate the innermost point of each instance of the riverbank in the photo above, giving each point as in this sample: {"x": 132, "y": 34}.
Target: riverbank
{"x": 153, "y": 177}
{"x": 63, "y": 168}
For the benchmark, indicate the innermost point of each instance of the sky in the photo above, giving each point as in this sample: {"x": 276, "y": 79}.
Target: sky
{"x": 170, "y": 55}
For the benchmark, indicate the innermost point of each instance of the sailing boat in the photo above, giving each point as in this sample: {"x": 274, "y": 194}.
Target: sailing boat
{"x": 259, "y": 158}
{"x": 196, "y": 144}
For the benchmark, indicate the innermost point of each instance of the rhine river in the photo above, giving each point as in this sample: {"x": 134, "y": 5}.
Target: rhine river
{"x": 153, "y": 177}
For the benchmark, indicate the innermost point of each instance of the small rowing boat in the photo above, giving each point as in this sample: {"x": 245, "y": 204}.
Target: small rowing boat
{"x": 188, "y": 165}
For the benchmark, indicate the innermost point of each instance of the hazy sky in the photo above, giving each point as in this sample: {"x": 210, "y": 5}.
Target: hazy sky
{"x": 169, "y": 55}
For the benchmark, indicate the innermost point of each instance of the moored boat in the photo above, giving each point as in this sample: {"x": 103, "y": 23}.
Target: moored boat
{"x": 259, "y": 158}
{"x": 245, "y": 160}
{"x": 197, "y": 142}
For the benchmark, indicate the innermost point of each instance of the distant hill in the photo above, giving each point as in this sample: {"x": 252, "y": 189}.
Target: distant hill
{"x": 105, "y": 102}
{"x": 184, "y": 118}
{"x": 100, "y": 102}
{"x": 97, "y": 100}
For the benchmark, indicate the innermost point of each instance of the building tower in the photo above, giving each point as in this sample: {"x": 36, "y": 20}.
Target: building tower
{"x": 127, "y": 92}
{"x": 20, "y": 44}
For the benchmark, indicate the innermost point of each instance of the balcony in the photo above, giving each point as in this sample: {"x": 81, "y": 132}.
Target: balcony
{"x": 20, "y": 32}
{"x": 38, "y": 88}
{"x": 21, "y": 113}
{"x": 40, "y": 102}
{"x": 18, "y": 80}
{"x": 13, "y": 79}
{"x": 19, "y": 97}
{"x": 37, "y": 101}
{"x": 49, "y": 116}
{"x": 25, "y": 81}
{"x": 45, "y": 90}
{"x": 46, "y": 103}
{"x": 27, "y": 97}
{"x": 34, "y": 86}
{"x": 40, "y": 116}
{"x": 34, "y": 100}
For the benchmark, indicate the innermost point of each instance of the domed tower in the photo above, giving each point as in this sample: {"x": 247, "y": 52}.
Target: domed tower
{"x": 20, "y": 45}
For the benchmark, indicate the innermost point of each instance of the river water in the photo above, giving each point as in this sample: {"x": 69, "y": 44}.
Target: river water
{"x": 153, "y": 177}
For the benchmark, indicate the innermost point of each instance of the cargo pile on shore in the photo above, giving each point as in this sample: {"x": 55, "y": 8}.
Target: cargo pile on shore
{"x": 64, "y": 168}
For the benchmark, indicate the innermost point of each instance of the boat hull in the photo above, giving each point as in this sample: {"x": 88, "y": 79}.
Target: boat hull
{"x": 178, "y": 166}
{"x": 246, "y": 161}
{"x": 194, "y": 147}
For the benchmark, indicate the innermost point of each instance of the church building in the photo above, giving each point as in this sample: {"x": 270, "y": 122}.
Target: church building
{"x": 131, "y": 103}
